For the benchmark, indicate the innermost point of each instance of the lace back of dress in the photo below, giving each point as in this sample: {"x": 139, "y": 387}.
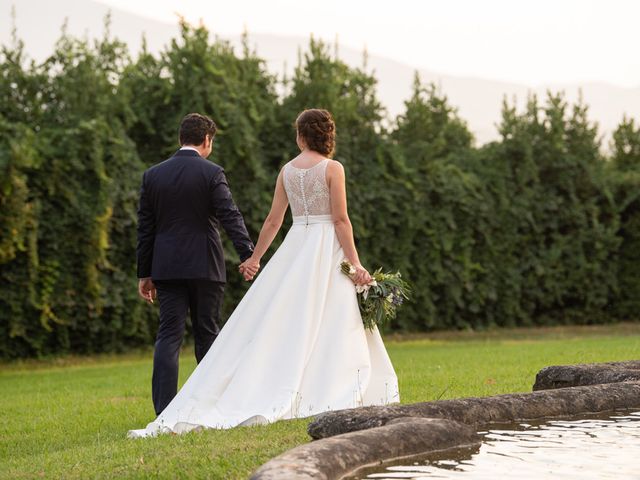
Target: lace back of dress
{"x": 307, "y": 189}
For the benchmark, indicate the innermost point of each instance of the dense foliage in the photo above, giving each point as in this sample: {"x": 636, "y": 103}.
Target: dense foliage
{"x": 539, "y": 227}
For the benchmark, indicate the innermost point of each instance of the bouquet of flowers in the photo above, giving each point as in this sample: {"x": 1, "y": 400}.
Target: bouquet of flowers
{"x": 379, "y": 299}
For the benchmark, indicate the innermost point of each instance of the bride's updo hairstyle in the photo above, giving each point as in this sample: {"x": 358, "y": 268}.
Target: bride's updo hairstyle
{"x": 318, "y": 130}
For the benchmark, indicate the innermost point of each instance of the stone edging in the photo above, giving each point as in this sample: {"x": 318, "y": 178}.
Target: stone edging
{"x": 348, "y": 440}
{"x": 586, "y": 374}
{"x": 480, "y": 411}
{"x": 336, "y": 457}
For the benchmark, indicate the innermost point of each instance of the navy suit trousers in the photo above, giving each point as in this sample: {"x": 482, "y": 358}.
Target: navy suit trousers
{"x": 202, "y": 299}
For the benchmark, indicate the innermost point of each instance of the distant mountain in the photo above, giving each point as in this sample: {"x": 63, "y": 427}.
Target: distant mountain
{"x": 478, "y": 100}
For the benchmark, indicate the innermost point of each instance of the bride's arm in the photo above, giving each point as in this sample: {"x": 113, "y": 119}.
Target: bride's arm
{"x": 270, "y": 228}
{"x": 344, "y": 230}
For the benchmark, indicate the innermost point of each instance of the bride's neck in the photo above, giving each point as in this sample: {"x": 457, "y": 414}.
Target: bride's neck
{"x": 311, "y": 154}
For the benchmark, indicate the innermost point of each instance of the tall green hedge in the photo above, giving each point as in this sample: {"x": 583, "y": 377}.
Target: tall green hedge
{"x": 538, "y": 227}
{"x": 625, "y": 176}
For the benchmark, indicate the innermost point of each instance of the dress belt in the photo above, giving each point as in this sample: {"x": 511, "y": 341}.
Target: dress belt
{"x": 311, "y": 219}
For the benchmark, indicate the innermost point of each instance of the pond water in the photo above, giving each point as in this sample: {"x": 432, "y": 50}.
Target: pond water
{"x": 603, "y": 446}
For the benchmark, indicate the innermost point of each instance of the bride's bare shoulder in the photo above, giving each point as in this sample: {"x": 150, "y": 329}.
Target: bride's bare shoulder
{"x": 284, "y": 167}
{"x": 334, "y": 172}
{"x": 334, "y": 166}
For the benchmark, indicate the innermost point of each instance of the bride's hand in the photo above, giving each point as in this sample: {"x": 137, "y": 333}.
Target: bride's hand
{"x": 361, "y": 277}
{"x": 249, "y": 268}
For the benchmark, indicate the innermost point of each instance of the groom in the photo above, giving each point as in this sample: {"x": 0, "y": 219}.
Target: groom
{"x": 183, "y": 202}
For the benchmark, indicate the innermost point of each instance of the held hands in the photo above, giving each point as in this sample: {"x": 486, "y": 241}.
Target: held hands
{"x": 146, "y": 289}
{"x": 249, "y": 268}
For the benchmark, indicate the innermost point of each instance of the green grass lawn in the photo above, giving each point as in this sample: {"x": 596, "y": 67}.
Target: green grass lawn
{"x": 68, "y": 417}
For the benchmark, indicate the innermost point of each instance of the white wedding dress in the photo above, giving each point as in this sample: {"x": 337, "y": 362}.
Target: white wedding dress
{"x": 295, "y": 345}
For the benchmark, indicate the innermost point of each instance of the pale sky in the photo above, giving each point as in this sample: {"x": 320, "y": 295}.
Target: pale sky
{"x": 530, "y": 42}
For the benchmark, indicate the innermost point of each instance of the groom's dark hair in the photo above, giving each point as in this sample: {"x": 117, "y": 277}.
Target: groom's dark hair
{"x": 195, "y": 127}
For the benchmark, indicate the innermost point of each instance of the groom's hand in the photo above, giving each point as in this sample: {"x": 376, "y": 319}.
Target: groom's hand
{"x": 146, "y": 289}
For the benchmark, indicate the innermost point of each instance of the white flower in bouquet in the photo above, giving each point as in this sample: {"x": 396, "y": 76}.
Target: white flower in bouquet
{"x": 379, "y": 299}
{"x": 364, "y": 289}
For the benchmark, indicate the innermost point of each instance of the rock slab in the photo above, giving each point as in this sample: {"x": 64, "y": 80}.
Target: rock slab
{"x": 334, "y": 458}
{"x": 477, "y": 412}
{"x": 562, "y": 376}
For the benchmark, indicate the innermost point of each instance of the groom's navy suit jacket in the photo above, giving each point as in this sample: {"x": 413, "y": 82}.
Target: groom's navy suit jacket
{"x": 183, "y": 202}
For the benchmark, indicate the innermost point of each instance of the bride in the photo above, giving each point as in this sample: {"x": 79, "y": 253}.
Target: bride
{"x": 295, "y": 346}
